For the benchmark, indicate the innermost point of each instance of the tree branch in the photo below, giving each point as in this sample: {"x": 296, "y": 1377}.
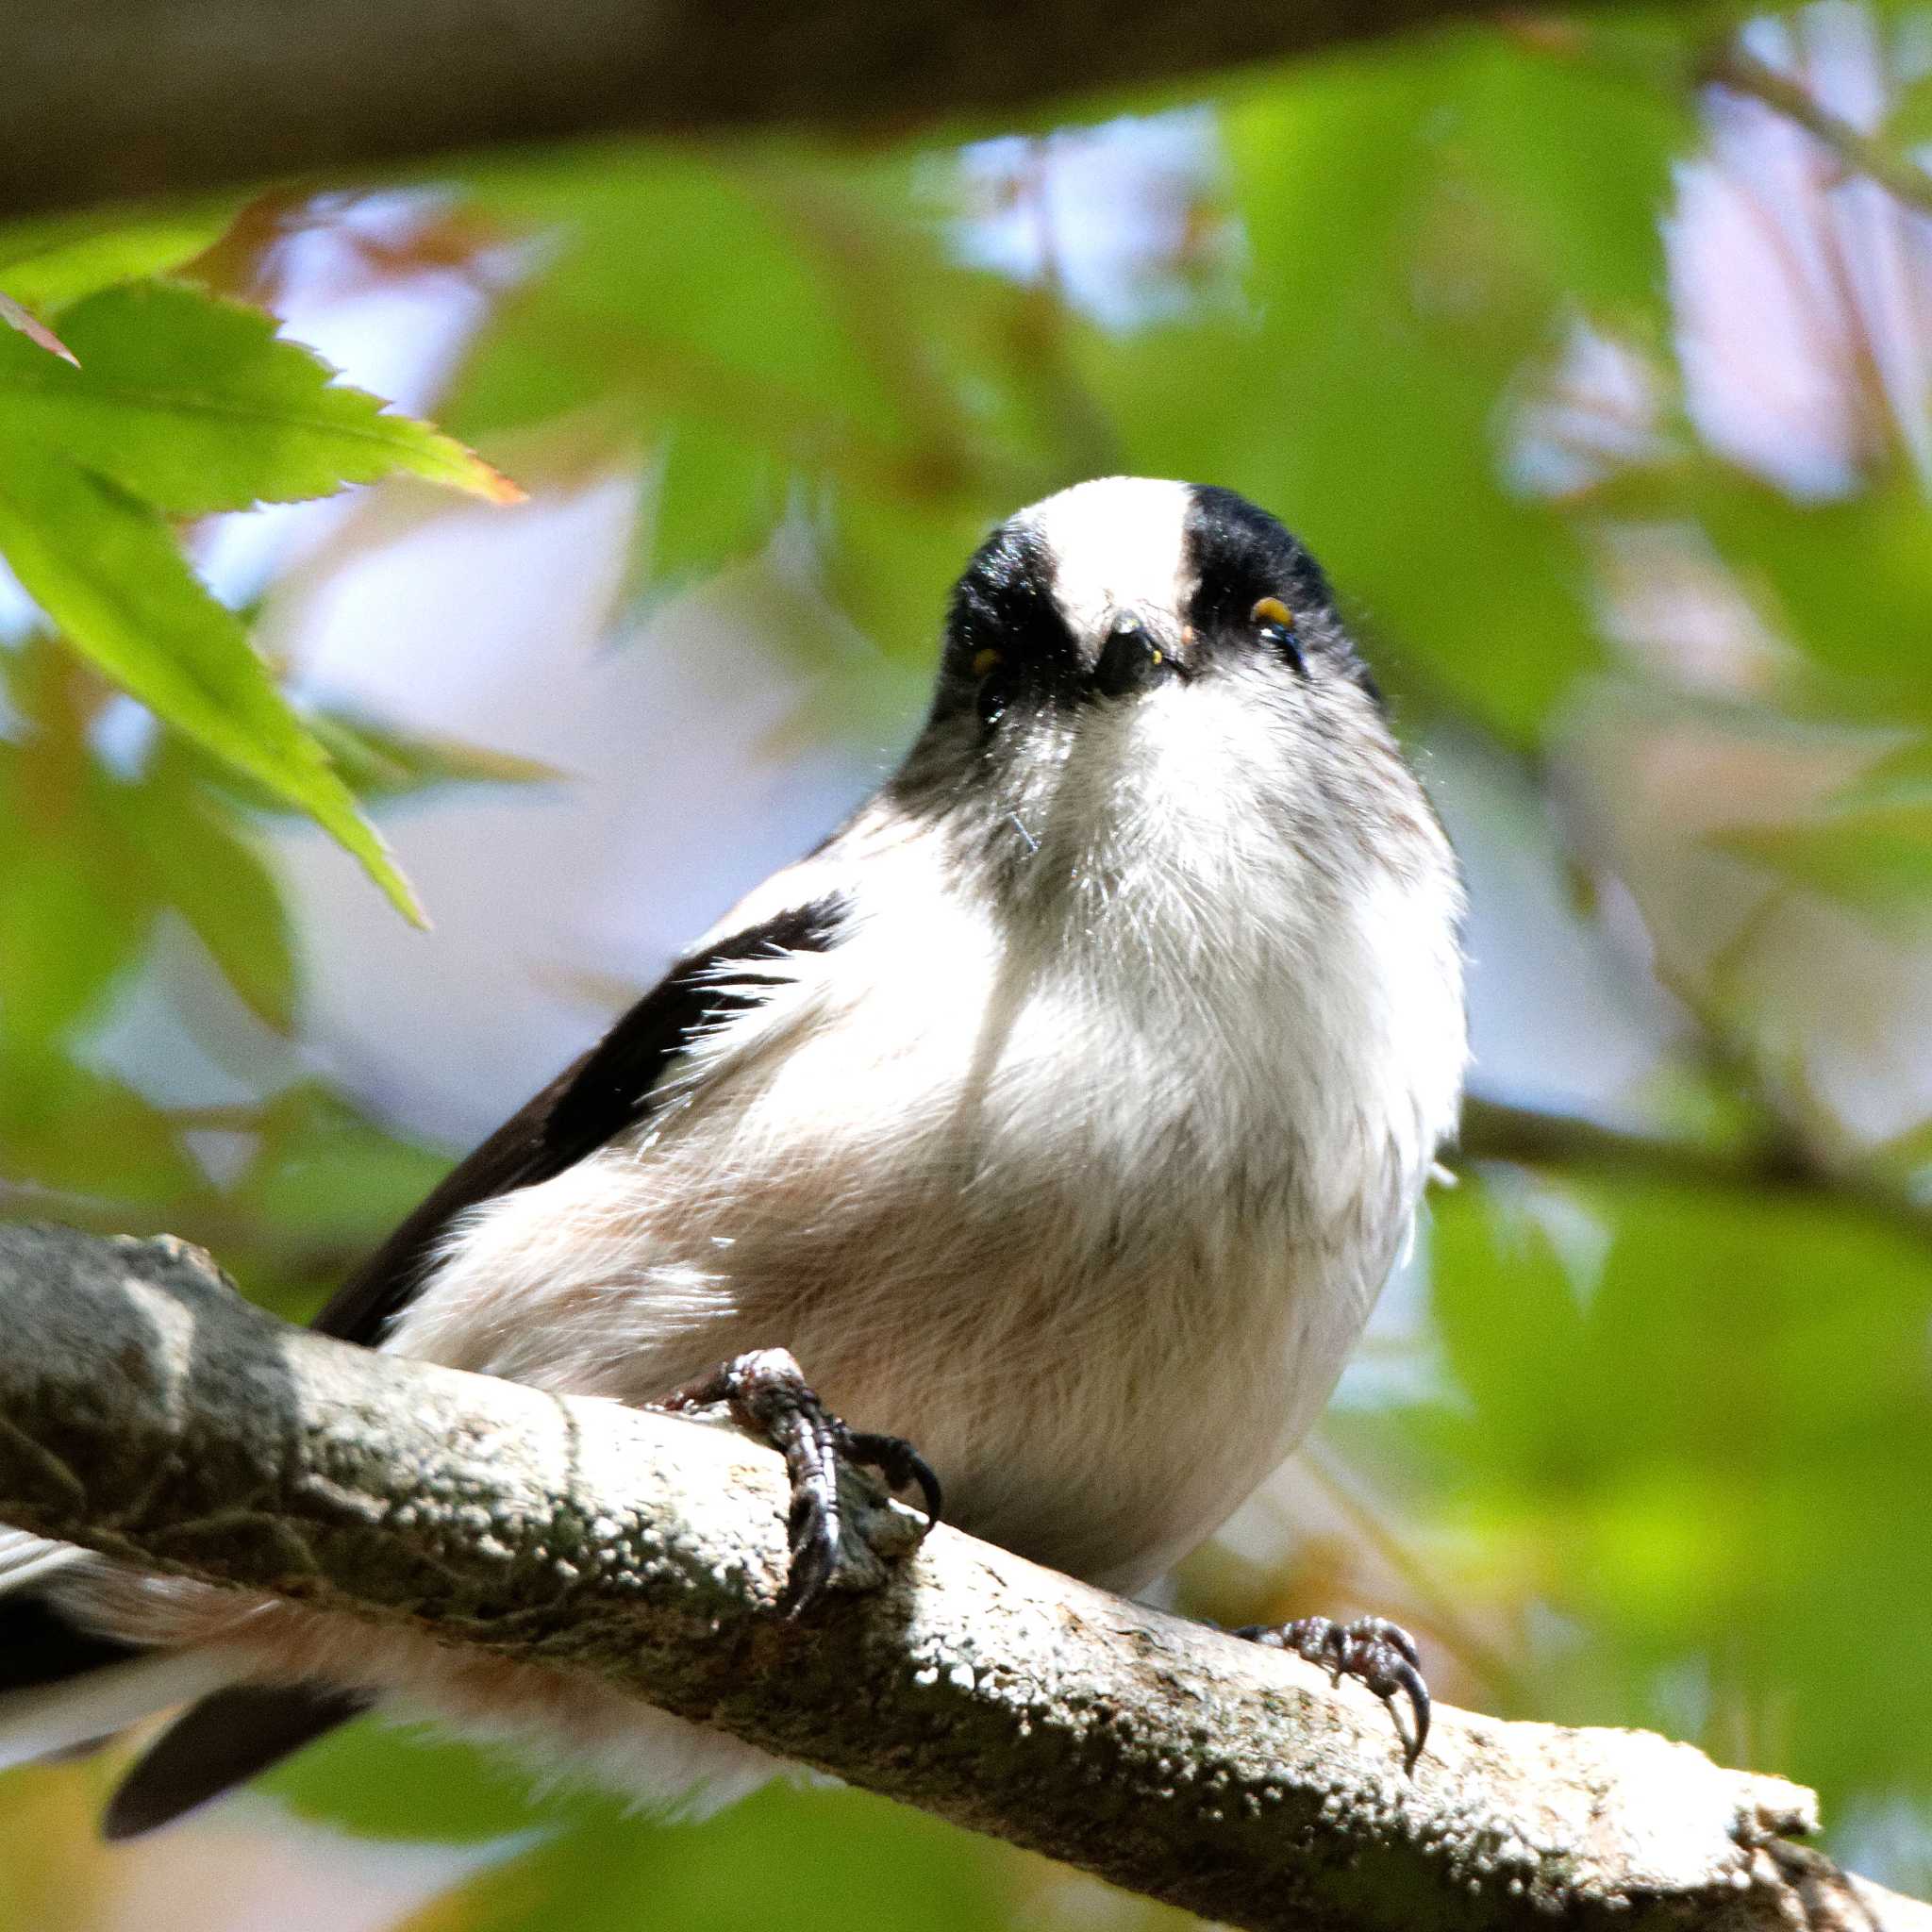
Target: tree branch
{"x": 1737, "y": 70}
{"x": 101, "y": 99}
{"x": 149, "y": 1412}
{"x": 1779, "y": 1164}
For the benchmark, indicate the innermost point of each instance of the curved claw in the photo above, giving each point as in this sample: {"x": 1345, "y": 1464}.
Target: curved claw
{"x": 901, "y": 1464}
{"x": 770, "y": 1398}
{"x": 1381, "y": 1654}
{"x": 929, "y": 1491}
{"x": 1410, "y": 1680}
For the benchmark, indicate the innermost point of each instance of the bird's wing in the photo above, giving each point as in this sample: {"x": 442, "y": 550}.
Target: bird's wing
{"x": 609, "y": 1090}
{"x": 234, "y": 1734}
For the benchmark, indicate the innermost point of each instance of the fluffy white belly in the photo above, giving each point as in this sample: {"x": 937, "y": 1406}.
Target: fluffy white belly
{"x": 1100, "y": 1283}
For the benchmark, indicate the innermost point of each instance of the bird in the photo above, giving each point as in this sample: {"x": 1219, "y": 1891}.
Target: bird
{"x": 1043, "y": 1138}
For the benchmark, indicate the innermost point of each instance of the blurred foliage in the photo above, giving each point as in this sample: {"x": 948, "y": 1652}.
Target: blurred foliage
{"x": 161, "y": 400}
{"x": 1655, "y": 1449}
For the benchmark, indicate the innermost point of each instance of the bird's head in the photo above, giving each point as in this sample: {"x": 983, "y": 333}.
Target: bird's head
{"x": 1116, "y": 588}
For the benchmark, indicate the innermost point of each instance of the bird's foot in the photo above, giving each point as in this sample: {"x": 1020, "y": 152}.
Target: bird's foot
{"x": 1380, "y": 1653}
{"x": 839, "y": 1535}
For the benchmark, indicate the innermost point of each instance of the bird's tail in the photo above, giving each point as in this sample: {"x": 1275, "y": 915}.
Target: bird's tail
{"x": 63, "y": 1687}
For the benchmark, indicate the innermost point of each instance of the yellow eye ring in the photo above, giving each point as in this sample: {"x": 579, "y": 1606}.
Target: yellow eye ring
{"x": 985, "y": 661}
{"x": 1273, "y": 611}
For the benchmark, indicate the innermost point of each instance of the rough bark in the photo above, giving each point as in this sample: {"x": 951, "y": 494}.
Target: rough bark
{"x": 148, "y": 1411}
{"x": 101, "y": 99}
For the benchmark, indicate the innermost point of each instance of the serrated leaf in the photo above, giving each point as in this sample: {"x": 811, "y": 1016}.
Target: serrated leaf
{"x": 195, "y": 404}
{"x": 51, "y": 264}
{"x": 104, "y": 568}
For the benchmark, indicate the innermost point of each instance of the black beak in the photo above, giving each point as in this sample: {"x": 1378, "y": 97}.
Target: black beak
{"x": 1131, "y": 660}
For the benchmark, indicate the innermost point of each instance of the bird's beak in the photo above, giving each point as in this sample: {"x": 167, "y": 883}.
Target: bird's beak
{"x": 1132, "y": 660}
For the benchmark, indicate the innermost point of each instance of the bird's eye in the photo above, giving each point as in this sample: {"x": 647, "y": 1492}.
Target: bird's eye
{"x": 1276, "y": 625}
{"x": 983, "y": 661}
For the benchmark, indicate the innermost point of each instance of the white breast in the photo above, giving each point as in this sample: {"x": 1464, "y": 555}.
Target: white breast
{"x": 1091, "y": 1203}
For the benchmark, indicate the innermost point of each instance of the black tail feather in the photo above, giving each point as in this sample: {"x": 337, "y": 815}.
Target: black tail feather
{"x": 38, "y": 1645}
{"x": 222, "y": 1741}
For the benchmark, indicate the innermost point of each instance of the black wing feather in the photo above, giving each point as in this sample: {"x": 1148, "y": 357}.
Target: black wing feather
{"x": 586, "y": 1106}
{"x": 230, "y": 1736}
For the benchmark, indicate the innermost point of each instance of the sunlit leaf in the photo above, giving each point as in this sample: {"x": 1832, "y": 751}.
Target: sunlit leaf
{"x": 195, "y": 403}
{"x": 680, "y": 279}
{"x": 104, "y": 568}
{"x": 55, "y": 262}
{"x": 1573, "y": 158}
{"x": 1393, "y": 308}
{"x": 1736, "y": 1360}
{"x": 324, "y": 1172}
{"x": 718, "y": 497}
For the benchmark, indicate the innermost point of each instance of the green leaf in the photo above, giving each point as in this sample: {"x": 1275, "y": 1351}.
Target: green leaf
{"x": 874, "y": 1867}
{"x": 64, "y": 1126}
{"x": 1738, "y": 1360}
{"x": 718, "y": 498}
{"x": 1394, "y": 305}
{"x": 1875, "y": 858}
{"x": 17, "y": 317}
{"x": 53, "y": 263}
{"x": 1573, "y": 160}
{"x": 1847, "y": 581}
{"x": 207, "y": 872}
{"x": 195, "y": 404}
{"x": 104, "y": 568}
{"x": 1910, "y": 123}
{"x": 75, "y": 917}
{"x": 379, "y": 760}
{"x": 327, "y": 1176}
{"x": 891, "y": 564}
{"x": 680, "y": 279}
{"x": 381, "y": 1782}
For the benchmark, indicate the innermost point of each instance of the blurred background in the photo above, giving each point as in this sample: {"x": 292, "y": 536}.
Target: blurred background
{"x": 1593, "y": 361}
